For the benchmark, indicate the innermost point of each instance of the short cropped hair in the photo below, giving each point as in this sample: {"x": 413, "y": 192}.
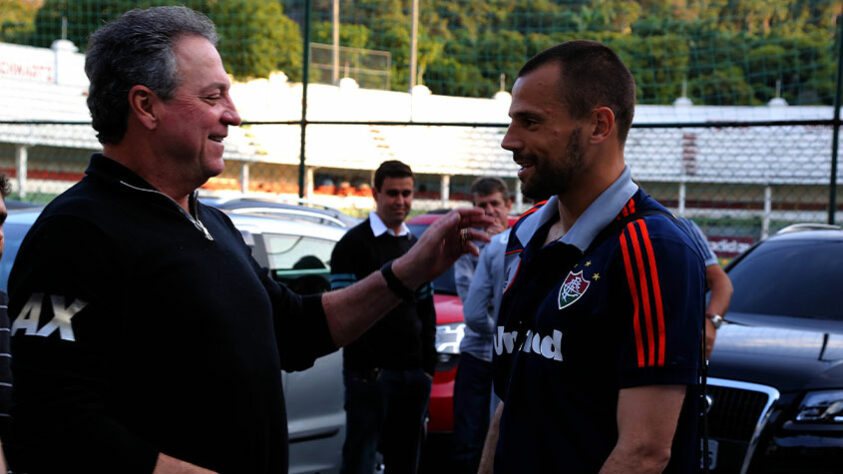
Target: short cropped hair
{"x": 5, "y": 185}
{"x": 488, "y": 185}
{"x": 136, "y": 49}
{"x": 392, "y": 169}
{"x": 592, "y": 76}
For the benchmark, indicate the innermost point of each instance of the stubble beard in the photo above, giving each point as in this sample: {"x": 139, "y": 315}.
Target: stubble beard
{"x": 556, "y": 177}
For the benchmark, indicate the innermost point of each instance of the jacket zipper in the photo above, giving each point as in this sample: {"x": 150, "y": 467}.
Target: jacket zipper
{"x": 195, "y": 221}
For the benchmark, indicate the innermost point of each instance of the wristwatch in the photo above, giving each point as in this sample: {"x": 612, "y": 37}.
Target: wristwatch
{"x": 715, "y": 319}
{"x": 393, "y": 283}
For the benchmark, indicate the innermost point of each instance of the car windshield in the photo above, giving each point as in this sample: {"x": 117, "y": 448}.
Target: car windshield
{"x": 445, "y": 283}
{"x": 799, "y": 279}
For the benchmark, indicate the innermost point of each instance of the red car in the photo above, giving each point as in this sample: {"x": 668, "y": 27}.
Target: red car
{"x": 449, "y": 333}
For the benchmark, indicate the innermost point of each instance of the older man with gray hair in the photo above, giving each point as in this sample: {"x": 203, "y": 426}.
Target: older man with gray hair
{"x": 147, "y": 339}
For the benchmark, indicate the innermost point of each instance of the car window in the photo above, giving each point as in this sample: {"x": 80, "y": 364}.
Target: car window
{"x": 288, "y": 252}
{"x": 302, "y": 263}
{"x": 14, "y": 234}
{"x": 790, "y": 278}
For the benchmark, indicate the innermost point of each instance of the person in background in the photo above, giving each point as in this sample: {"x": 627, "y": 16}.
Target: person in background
{"x": 5, "y": 342}
{"x": 718, "y": 283}
{"x": 388, "y": 371}
{"x": 479, "y": 284}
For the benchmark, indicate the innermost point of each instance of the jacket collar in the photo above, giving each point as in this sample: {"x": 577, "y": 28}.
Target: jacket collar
{"x": 105, "y": 168}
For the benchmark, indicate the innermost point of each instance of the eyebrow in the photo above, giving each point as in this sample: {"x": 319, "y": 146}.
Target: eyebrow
{"x": 521, "y": 114}
{"x": 216, "y": 86}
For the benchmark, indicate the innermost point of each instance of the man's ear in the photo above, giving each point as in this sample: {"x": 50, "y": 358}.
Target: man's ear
{"x": 142, "y": 105}
{"x": 603, "y": 125}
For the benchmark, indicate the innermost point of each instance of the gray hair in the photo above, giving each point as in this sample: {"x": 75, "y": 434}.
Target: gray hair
{"x": 136, "y": 48}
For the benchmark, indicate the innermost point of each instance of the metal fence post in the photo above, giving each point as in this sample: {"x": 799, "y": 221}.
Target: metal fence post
{"x": 304, "y": 81}
{"x": 832, "y": 194}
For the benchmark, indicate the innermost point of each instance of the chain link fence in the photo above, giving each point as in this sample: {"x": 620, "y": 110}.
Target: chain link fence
{"x": 753, "y": 154}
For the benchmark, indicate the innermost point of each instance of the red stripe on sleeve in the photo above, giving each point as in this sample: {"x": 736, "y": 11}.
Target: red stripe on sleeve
{"x": 630, "y": 278}
{"x": 645, "y": 295}
{"x": 657, "y": 292}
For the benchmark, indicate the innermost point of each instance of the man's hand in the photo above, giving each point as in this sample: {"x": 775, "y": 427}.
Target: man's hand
{"x": 352, "y": 310}
{"x": 710, "y": 336}
{"x": 495, "y": 228}
{"x": 721, "y": 294}
{"x": 170, "y": 465}
{"x": 440, "y": 246}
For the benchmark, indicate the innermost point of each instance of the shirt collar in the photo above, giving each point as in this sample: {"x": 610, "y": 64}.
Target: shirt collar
{"x": 596, "y": 217}
{"x": 379, "y": 228}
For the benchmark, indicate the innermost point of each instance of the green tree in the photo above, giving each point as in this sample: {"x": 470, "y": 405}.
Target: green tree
{"x": 724, "y": 86}
{"x": 256, "y": 38}
{"x": 76, "y": 20}
{"x": 352, "y": 36}
{"x": 659, "y": 64}
{"x": 17, "y": 18}
{"x": 500, "y": 52}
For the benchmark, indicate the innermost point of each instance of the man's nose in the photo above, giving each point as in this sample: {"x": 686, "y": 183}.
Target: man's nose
{"x": 510, "y": 141}
{"x": 231, "y": 116}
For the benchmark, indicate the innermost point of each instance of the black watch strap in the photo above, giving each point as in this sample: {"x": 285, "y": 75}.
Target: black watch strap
{"x": 395, "y": 284}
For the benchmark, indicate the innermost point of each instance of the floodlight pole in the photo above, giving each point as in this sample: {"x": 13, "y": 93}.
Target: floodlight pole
{"x": 414, "y": 37}
{"x": 304, "y": 81}
{"x": 835, "y": 137}
{"x": 335, "y": 76}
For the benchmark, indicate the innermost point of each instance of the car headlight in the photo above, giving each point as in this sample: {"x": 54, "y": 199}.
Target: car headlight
{"x": 823, "y": 406}
{"x": 448, "y": 338}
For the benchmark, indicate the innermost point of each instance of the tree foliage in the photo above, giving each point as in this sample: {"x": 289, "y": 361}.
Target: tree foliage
{"x": 255, "y": 36}
{"x": 17, "y": 18}
{"x": 726, "y": 51}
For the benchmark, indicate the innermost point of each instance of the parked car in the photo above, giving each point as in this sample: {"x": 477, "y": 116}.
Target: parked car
{"x": 269, "y": 207}
{"x": 450, "y": 329}
{"x": 775, "y": 386}
{"x": 296, "y": 248}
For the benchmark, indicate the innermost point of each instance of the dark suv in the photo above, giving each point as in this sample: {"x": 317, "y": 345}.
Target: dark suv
{"x": 775, "y": 387}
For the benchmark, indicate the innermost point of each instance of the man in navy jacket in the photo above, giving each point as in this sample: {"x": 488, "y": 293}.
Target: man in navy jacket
{"x": 598, "y": 336}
